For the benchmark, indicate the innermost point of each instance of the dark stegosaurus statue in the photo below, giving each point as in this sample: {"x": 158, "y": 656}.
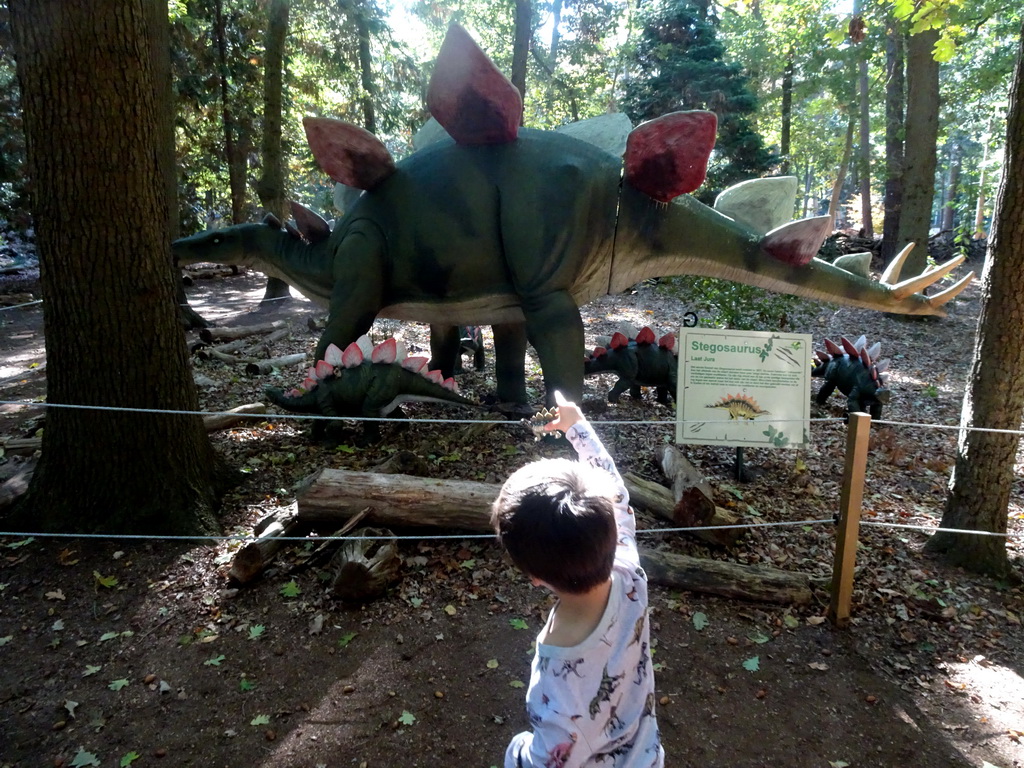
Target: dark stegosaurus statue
{"x": 640, "y": 360}
{"x": 851, "y": 368}
{"x": 366, "y": 381}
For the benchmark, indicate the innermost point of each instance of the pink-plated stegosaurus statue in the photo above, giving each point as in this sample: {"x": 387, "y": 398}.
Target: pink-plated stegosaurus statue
{"x": 516, "y": 228}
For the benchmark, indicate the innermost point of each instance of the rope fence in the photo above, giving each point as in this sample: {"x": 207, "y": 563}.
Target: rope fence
{"x": 847, "y": 520}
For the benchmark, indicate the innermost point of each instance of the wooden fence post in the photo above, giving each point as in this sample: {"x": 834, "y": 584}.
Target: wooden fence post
{"x": 850, "y": 500}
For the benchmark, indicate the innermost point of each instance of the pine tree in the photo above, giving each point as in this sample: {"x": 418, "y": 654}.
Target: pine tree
{"x": 679, "y": 64}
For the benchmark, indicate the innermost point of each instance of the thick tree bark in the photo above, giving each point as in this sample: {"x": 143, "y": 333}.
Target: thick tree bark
{"x": 234, "y": 154}
{"x": 894, "y": 87}
{"x": 271, "y": 187}
{"x": 922, "y": 126}
{"x": 160, "y": 58}
{"x": 979, "y": 491}
{"x": 91, "y": 127}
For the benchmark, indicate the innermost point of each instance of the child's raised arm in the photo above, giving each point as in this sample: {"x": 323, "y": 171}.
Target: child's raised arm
{"x": 591, "y": 450}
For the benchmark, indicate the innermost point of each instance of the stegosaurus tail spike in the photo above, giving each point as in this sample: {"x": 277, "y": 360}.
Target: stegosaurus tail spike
{"x": 619, "y": 340}
{"x": 833, "y": 349}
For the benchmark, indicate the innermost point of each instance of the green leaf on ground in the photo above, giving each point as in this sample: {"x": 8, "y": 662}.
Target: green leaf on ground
{"x": 128, "y": 759}
{"x": 246, "y": 685}
{"x": 291, "y": 589}
{"x": 407, "y": 718}
{"x": 700, "y": 620}
{"x": 752, "y": 664}
{"x": 517, "y": 684}
{"x": 492, "y": 664}
{"x": 260, "y": 720}
{"x": 84, "y": 758}
{"x": 759, "y": 637}
{"x": 117, "y": 685}
{"x": 518, "y": 624}
{"x": 256, "y": 631}
{"x": 215, "y": 661}
{"x": 104, "y": 581}
{"x": 91, "y": 669}
{"x": 347, "y": 638}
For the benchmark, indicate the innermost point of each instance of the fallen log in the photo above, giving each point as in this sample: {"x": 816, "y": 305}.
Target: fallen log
{"x": 263, "y": 367}
{"x": 656, "y": 499}
{"x": 22, "y": 446}
{"x": 252, "y": 559}
{"x": 262, "y": 347}
{"x": 230, "y": 418}
{"x": 331, "y": 496}
{"x": 745, "y": 582}
{"x": 210, "y": 335}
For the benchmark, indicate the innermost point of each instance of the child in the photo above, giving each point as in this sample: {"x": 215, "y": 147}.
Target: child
{"x": 568, "y": 526}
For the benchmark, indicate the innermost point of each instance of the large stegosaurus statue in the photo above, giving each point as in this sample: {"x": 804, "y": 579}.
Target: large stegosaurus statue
{"x": 516, "y": 228}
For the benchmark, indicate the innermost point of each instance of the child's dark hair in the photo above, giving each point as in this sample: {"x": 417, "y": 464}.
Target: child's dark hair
{"x": 556, "y": 519}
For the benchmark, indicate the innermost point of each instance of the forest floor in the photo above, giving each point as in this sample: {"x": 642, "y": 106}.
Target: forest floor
{"x": 123, "y": 652}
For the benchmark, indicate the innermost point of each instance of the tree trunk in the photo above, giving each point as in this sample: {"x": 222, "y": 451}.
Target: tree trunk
{"x": 160, "y": 59}
{"x": 91, "y": 127}
{"x": 787, "y": 114}
{"x": 844, "y": 164}
{"x": 983, "y": 477}
{"x": 922, "y": 126}
{"x": 521, "y": 44}
{"x": 271, "y": 187}
{"x": 234, "y": 156}
{"x": 864, "y": 151}
{"x": 894, "y": 86}
{"x": 979, "y": 209}
{"x": 952, "y": 188}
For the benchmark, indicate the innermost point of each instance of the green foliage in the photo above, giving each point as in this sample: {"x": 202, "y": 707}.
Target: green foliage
{"x": 680, "y": 64}
{"x": 724, "y": 304}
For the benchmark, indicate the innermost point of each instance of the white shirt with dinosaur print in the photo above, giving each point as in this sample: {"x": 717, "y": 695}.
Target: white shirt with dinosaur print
{"x": 593, "y": 704}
